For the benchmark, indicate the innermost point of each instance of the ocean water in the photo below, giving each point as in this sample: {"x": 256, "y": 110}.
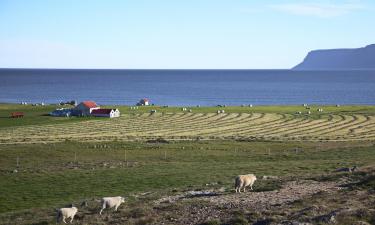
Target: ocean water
{"x": 188, "y": 87}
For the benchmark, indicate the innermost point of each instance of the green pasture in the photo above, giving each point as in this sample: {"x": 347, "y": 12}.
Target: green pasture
{"x": 53, "y": 175}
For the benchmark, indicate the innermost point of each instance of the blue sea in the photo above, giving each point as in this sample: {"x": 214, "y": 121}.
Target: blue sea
{"x": 188, "y": 87}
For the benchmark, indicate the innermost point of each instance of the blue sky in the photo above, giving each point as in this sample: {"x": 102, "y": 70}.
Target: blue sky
{"x": 177, "y": 34}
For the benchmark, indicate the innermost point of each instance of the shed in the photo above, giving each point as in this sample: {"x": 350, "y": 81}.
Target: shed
{"x": 144, "y": 101}
{"x": 110, "y": 113}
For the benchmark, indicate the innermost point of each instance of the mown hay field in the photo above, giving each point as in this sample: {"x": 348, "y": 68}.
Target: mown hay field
{"x": 202, "y": 126}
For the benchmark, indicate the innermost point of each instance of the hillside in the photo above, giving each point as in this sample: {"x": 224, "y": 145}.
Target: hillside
{"x": 339, "y": 59}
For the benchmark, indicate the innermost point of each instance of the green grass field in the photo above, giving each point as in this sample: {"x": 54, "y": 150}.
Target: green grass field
{"x": 51, "y": 175}
{"x": 48, "y": 162}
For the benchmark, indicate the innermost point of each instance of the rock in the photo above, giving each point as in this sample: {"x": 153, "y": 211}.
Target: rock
{"x": 201, "y": 193}
{"x": 347, "y": 169}
{"x": 222, "y": 189}
{"x": 84, "y": 204}
{"x": 263, "y": 222}
{"x": 15, "y": 171}
{"x": 269, "y": 177}
{"x": 329, "y": 218}
{"x": 293, "y": 223}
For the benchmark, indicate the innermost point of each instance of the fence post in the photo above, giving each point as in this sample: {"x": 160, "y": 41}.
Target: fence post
{"x": 18, "y": 161}
{"x": 125, "y": 159}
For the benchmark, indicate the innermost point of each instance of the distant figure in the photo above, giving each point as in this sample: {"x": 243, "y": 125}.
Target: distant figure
{"x": 242, "y": 181}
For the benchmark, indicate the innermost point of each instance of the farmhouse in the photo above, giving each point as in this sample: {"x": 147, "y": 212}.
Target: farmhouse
{"x": 86, "y": 107}
{"x": 144, "y": 101}
{"x": 111, "y": 113}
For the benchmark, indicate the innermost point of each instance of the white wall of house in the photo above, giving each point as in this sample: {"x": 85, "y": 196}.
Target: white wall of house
{"x": 116, "y": 113}
{"x": 112, "y": 114}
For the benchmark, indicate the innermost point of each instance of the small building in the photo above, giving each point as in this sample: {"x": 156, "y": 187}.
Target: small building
{"x": 17, "y": 114}
{"x": 144, "y": 102}
{"x": 86, "y": 107}
{"x": 110, "y": 113}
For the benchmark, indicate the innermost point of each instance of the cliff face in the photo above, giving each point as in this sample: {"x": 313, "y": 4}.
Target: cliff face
{"x": 337, "y": 59}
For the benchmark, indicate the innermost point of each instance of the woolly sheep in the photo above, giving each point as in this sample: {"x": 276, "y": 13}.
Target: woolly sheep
{"x": 65, "y": 213}
{"x": 110, "y": 202}
{"x": 242, "y": 181}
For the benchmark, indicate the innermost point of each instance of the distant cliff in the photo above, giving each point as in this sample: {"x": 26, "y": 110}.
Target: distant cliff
{"x": 337, "y": 59}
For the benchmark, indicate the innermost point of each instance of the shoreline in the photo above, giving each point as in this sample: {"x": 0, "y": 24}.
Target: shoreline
{"x": 203, "y": 106}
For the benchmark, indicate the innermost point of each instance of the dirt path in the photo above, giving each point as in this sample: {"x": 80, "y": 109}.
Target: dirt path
{"x": 220, "y": 204}
{"x": 290, "y": 192}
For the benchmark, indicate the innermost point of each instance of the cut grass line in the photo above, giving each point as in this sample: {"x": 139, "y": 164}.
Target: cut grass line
{"x": 348, "y": 119}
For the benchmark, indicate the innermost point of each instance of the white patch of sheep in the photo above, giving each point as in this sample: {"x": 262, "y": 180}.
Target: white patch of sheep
{"x": 243, "y": 181}
{"x": 110, "y": 202}
{"x": 66, "y": 213}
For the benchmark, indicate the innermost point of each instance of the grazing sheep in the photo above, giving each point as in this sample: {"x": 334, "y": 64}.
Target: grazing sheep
{"x": 242, "y": 181}
{"x": 110, "y": 202}
{"x": 65, "y": 213}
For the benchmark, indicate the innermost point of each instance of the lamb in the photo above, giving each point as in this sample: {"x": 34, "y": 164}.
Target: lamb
{"x": 242, "y": 181}
{"x": 66, "y": 213}
{"x": 110, "y": 202}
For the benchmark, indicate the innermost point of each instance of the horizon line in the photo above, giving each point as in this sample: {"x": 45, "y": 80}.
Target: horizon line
{"x": 52, "y": 68}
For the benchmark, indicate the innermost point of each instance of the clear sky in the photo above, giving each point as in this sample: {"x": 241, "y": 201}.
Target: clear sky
{"x": 177, "y": 34}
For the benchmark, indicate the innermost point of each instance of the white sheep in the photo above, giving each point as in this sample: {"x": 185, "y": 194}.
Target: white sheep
{"x": 110, "y": 202}
{"x": 65, "y": 213}
{"x": 242, "y": 181}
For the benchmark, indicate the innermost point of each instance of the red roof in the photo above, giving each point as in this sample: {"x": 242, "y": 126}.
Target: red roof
{"x": 90, "y": 104}
{"x": 101, "y": 111}
{"x": 145, "y": 100}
